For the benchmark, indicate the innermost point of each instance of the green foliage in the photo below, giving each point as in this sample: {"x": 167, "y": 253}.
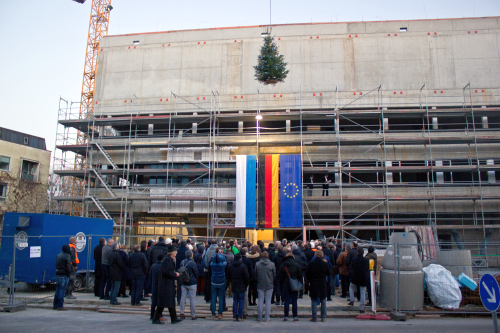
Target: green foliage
{"x": 271, "y": 66}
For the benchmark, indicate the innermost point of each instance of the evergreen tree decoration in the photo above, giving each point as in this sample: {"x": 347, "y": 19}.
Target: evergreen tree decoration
{"x": 271, "y": 67}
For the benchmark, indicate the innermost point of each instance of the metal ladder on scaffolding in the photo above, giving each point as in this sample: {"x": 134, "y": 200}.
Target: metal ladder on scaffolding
{"x": 104, "y": 182}
{"x": 106, "y": 155}
{"x": 101, "y": 208}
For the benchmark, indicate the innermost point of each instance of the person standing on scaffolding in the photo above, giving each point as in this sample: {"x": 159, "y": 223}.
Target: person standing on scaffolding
{"x": 310, "y": 186}
{"x": 326, "y": 185}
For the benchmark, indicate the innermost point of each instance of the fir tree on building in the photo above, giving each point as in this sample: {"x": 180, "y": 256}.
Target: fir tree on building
{"x": 271, "y": 66}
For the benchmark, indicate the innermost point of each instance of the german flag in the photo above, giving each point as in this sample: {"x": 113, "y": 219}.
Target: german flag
{"x": 269, "y": 192}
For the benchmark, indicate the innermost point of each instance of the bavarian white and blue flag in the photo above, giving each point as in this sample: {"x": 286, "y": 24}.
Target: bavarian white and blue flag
{"x": 290, "y": 191}
{"x": 246, "y": 184}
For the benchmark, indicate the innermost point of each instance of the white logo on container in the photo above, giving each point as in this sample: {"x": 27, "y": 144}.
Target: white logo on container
{"x": 81, "y": 241}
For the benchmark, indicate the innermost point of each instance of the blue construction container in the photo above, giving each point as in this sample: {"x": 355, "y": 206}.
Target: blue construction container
{"x": 36, "y": 256}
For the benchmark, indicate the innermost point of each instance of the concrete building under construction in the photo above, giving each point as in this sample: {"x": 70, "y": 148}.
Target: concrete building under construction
{"x": 404, "y": 117}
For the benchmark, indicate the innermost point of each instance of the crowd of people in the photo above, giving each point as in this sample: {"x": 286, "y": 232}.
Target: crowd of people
{"x": 169, "y": 271}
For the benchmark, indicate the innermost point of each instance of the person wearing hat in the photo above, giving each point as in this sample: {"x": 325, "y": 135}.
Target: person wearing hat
{"x": 189, "y": 287}
{"x": 165, "y": 293}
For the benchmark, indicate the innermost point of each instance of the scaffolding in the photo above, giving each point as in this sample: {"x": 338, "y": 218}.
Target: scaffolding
{"x": 337, "y": 132}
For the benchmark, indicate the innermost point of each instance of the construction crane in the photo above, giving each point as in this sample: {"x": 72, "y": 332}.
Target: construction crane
{"x": 98, "y": 28}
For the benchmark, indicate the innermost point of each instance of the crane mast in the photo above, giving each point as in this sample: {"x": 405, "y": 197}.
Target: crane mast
{"x": 98, "y": 28}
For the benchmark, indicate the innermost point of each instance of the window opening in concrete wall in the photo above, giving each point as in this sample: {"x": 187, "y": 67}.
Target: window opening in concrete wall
{"x": 3, "y": 192}
{"x": 29, "y": 171}
{"x": 403, "y": 29}
{"x": 4, "y": 163}
{"x": 136, "y": 42}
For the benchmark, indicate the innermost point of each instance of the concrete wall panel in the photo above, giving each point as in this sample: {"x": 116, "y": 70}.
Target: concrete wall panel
{"x": 446, "y": 61}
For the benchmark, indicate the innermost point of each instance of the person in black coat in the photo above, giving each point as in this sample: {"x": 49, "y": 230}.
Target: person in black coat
{"x": 277, "y": 260}
{"x": 360, "y": 276}
{"x": 271, "y": 252}
{"x": 309, "y": 253}
{"x": 348, "y": 260}
{"x": 116, "y": 268}
{"x": 247, "y": 262}
{"x": 98, "y": 266}
{"x": 165, "y": 294}
{"x": 156, "y": 250}
{"x": 147, "y": 281}
{"x": 138, "y": 270}
{"x": 329, "y": 253}
{"x": 301, "y": 260}
{"x": 289, "y": 269}
{"x": 126, "y": 278}
{"x": 239, "y": 278}
{"x": 198, "y": 257}
{"x": 155, "y": 273}
{"x": 317, "y": 272}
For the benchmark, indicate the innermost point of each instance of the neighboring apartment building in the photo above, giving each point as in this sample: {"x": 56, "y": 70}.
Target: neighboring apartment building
{"x": 24, "y": 172}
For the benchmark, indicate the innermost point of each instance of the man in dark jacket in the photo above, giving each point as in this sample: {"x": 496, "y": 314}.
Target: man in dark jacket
{"x": 348, "y": 260}
{"x": 189, "y": 288}
{"x": 198, "y": 259}
{"x": 138, "y": 270}
{"x": 63, "y": 270}
{"x": 155, "y": 273}
{"x": 360, "y": 276}
{"x": 371, "y": 255}
{"x": 271, "y": 252}
{"x": 247, "y": 262}
{"x": 277, "y": 260}
{"x": 117, "y": 269}
{"x": 329, "y": 253}
{"x": 239, "y": 278}
{"x": 301, "y": 260}
{"x": 165, "y": 294}
{"x": 98, "y": 267}
{"x": 126, "y": 277}
{"x": 289, "y": 269}
{"x": 181, "y": 255}
{"x": 157, "y": 249}
{"x": 317, "y": 272}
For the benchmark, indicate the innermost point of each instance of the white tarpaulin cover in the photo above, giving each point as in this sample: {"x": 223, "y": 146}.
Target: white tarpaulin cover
{"x": 442, "y": 288}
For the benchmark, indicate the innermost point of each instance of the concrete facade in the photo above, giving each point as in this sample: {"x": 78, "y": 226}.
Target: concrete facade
{"x": 348, "y": 56}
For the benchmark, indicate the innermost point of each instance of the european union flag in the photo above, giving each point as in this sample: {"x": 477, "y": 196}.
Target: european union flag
{"x": 290, "y": 191}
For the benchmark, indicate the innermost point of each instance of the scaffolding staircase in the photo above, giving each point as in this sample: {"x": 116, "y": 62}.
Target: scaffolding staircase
{"x": 101, "y": 208}
{"x": 104, "y": 182}
{"x": 106, "y": 155}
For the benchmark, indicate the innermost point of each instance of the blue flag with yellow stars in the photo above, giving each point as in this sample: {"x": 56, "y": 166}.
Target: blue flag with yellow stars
{"x": 290, "y": 191}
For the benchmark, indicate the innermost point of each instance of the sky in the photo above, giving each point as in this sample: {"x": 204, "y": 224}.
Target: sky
{"x": 43, "y": 43}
